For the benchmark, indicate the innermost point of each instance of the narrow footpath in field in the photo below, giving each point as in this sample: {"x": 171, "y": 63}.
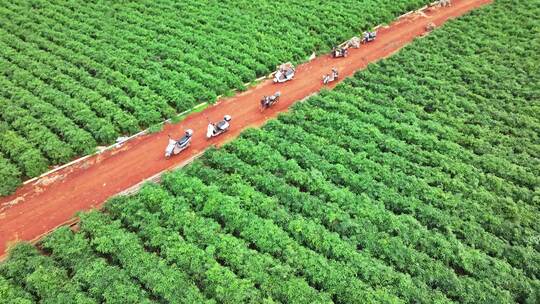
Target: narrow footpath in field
{"x": 39, "y": 207}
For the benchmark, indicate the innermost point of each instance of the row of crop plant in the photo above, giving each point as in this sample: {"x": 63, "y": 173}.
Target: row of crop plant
{"x": 374, "y": 192}
{"x": 108, "y": 70}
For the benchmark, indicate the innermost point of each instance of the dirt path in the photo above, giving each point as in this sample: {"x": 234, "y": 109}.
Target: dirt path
{"x": 39, "y": 207}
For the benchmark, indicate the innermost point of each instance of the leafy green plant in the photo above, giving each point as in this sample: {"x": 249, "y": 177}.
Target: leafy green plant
{"x": 155, "y": 128}
{"x": 414, "y": 181}
{"x": 104, "y": 86}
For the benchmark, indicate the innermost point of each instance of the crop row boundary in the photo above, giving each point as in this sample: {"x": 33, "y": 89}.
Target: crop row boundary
{"x": 126, "y": 139}
{"x": 156, "y": 178}
{"x": 218, "y": 98}
{"x": 74, "y": 221}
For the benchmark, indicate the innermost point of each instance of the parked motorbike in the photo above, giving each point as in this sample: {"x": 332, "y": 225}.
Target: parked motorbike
{"x": 327, "y": 78}
{"x": 285, "y": 72}
{"x": 176, "y": 146}
{"x": 268, "y": 101}
{"x": 368, "y": 37}
{"x": 215, "y": 129}
{"x": 339, "y": 52}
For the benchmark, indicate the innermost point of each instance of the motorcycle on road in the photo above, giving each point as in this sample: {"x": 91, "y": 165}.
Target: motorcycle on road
{"x": 176, "y": 146}
{"x": 215, "y": 129}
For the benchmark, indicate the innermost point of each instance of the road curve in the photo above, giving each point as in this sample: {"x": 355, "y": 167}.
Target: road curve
{"x": 37, "y": 208}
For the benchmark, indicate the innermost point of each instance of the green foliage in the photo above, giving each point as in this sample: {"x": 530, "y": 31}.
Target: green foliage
{"x": 30, "y": 160}
{"x": 12, "y": 294}
{"x": 274, "y": 279}
{"x": 104, "y": 282}
{"x": 155, "y": 128}
{"x": 9, "y": 175}
{"x": 170, "y": 284}
{"x": 415, "y": 181}
{"x": 75, "y": 77}
{"x": 215, "y": 280}
{"x": 39, "y": 275}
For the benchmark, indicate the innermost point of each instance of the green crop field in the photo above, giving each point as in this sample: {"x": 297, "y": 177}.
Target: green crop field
{"x": 415, "y": 181}
{"x": 77, "y": 74}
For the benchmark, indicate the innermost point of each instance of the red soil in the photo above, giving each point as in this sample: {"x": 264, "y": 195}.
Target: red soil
{"x": 37, "y": 208}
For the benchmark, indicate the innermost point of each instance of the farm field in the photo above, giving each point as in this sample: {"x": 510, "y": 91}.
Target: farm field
{"x": 79, "y": 74}
{"x": 415, "y": 181}
{"x": 53, "y": 200}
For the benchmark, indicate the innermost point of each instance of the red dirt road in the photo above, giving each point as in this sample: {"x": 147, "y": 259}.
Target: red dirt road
{"x": 39, "y": 207}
